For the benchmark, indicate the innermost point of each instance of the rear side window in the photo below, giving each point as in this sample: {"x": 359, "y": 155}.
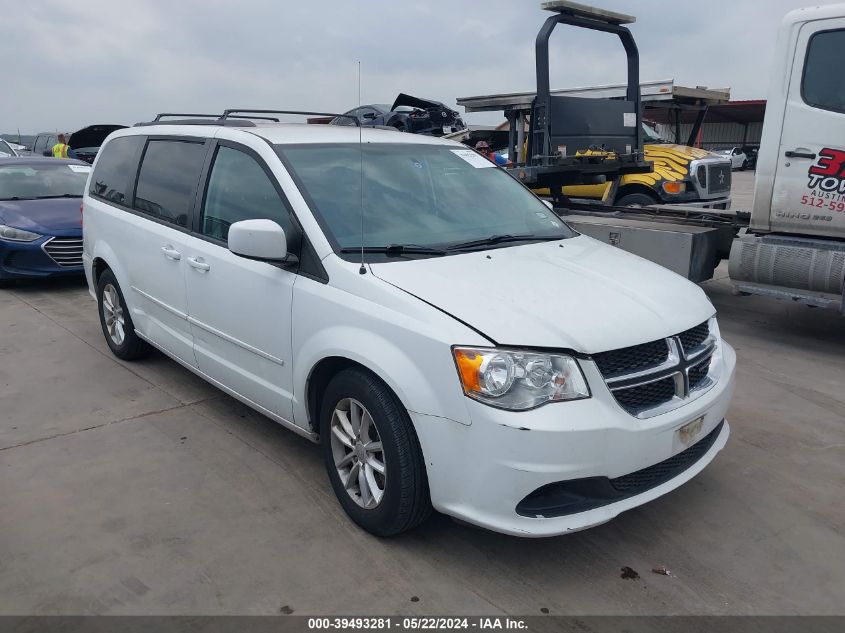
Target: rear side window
{"x": 116, "y": 169}
{"x": 824, "y": 82}
{"x": 239, "y": 189}
{"x": 167, "y": 181}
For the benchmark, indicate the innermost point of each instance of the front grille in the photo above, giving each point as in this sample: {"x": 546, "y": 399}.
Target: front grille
{"x": 694, "y": 337}
{"x": 65, "y": 251}
{"x": 647, "y": 377}
{"x": 563, "y": 498}
{"x": 662, "y": 472}
{"x": 698, "y": 374}
{"x": 718, "y": 177}
{"x": 630, "y": 359}
{"x": 643, "y": 397}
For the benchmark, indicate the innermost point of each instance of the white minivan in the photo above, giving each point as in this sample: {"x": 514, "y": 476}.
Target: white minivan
{"x": 449, "y": 340}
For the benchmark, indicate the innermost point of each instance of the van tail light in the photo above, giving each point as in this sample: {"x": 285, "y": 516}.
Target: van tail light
{"x": 81, "y": 206}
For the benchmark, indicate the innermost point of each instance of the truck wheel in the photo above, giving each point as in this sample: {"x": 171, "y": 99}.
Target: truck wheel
{"x": 372, "y": 454}
{"x": 116, "y": 321}
{"x": 635, "y": 200}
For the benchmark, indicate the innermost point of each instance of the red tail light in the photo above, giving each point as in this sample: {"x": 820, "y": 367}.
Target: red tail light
{"x": 80, "y": 213}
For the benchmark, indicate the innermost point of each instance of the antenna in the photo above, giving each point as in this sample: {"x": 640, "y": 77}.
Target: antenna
{"x": 363, "y": 269}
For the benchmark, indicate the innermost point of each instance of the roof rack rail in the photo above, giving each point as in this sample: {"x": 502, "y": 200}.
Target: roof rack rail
{"x": 162, "y": 115}
{"x": 241, "y": 112}
{"x": 215, "y": 121}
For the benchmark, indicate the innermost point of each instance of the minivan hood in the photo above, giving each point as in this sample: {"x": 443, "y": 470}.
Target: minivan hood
{"x": 578, "y": 294}
{"x": 53, "y": 216}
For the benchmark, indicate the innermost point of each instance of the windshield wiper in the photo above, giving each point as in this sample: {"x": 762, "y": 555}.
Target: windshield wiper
{"x": 61, "y": 195}
{"x": 396, "y": 250}
{"x": 499, "y": 239}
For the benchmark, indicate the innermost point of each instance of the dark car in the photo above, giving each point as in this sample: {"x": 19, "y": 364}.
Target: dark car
{"x": 407, "y": 114}
{"x": 40, "y": 217}
{"x": 43, "y": 144}
{"x": 85, "y": 143}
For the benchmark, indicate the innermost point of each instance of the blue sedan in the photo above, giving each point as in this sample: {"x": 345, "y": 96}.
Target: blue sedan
{"x": 40, "y": 217}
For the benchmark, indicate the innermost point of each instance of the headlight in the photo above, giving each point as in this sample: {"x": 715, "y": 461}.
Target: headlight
{"x": 516, "y": 380}
{"x": 16, "y": 235}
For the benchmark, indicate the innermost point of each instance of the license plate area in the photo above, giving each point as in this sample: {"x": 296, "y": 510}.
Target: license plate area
{"x": 689, "y": 433}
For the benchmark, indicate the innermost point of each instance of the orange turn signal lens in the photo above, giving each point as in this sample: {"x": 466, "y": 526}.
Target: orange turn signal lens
{"x": 469, "y": 365}
{"x": 674, "y": 187}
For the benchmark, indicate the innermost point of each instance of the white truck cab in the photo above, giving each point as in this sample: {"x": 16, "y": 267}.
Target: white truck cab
{"x": 450, "y": 341}
{"x": 795, "y": 246}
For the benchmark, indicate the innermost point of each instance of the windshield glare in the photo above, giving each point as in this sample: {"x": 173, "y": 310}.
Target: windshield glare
{"x": 423, "y": 195}
{"x": 27, "y": 182}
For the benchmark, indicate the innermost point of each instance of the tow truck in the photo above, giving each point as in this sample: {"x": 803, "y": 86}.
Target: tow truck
{"x": 791, "y": 245}
{"x": 588, "y": 139}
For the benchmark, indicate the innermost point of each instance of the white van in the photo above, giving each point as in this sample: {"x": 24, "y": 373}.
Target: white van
{"x": 795, "y": 245}
{"x": 451, "y": 342}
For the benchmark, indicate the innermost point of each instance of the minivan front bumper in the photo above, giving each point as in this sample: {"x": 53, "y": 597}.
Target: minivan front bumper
{"x": 489, "y": 472}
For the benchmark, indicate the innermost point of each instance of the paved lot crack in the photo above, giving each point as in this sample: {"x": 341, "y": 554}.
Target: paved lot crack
{"x": 100, "y": 426}
{"x": 99, "y": 351}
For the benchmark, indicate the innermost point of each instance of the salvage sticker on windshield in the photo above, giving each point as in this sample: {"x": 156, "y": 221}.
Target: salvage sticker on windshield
{"x": 80, "y": 169}
{"x": 473, "y": 158}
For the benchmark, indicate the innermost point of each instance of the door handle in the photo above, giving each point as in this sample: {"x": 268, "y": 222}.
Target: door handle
{"x": 171, "y": 253}
{"x": 196, "y": 262}
{"x": 797, "y": 154}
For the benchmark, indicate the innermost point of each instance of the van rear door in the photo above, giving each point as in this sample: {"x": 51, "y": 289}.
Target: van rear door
{"x": 809, "y": 187}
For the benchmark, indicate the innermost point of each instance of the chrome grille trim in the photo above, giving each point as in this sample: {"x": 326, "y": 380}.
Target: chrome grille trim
{"x": 64, "y": 251}
{"x": 678, "y": 366}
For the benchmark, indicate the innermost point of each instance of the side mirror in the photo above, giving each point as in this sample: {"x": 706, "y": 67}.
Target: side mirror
{"x": 258, "y": 239}
{"x": 369, "y": 115}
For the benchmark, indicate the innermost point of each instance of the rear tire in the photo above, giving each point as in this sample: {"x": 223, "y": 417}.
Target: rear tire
{"x": 636, "y": 200}
{"x": 116, "y": 321}
{"x": 383, "y": 439}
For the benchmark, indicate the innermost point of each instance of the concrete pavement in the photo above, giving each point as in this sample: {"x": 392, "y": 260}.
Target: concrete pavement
{"x": 135, "y": 488}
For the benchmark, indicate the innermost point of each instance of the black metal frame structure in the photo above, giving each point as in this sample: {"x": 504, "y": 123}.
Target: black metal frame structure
{"x": 601, "y": 124}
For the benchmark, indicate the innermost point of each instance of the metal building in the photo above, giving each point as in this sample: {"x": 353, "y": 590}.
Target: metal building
{"x": 731, "y": 124}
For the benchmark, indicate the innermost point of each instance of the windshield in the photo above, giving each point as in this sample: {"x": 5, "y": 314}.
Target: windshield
{"x": 429, "y": 196}
{"x": 43, "y": 180}
{"x": 650, "y": 135}
{"x": 6, "y": 149}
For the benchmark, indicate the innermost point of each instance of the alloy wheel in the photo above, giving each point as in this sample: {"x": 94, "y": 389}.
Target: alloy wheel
{"x": 113, "y": 315}
{"x": 358, "y": 453}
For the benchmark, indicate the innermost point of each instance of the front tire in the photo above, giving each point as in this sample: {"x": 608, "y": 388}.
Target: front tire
{"x": 372, "y": 454}
{"x": 636, "y": 200}
{"x": 116, "y": 322}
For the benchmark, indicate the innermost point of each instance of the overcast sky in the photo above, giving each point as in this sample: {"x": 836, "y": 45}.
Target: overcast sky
{"x": 67, "y": 64}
